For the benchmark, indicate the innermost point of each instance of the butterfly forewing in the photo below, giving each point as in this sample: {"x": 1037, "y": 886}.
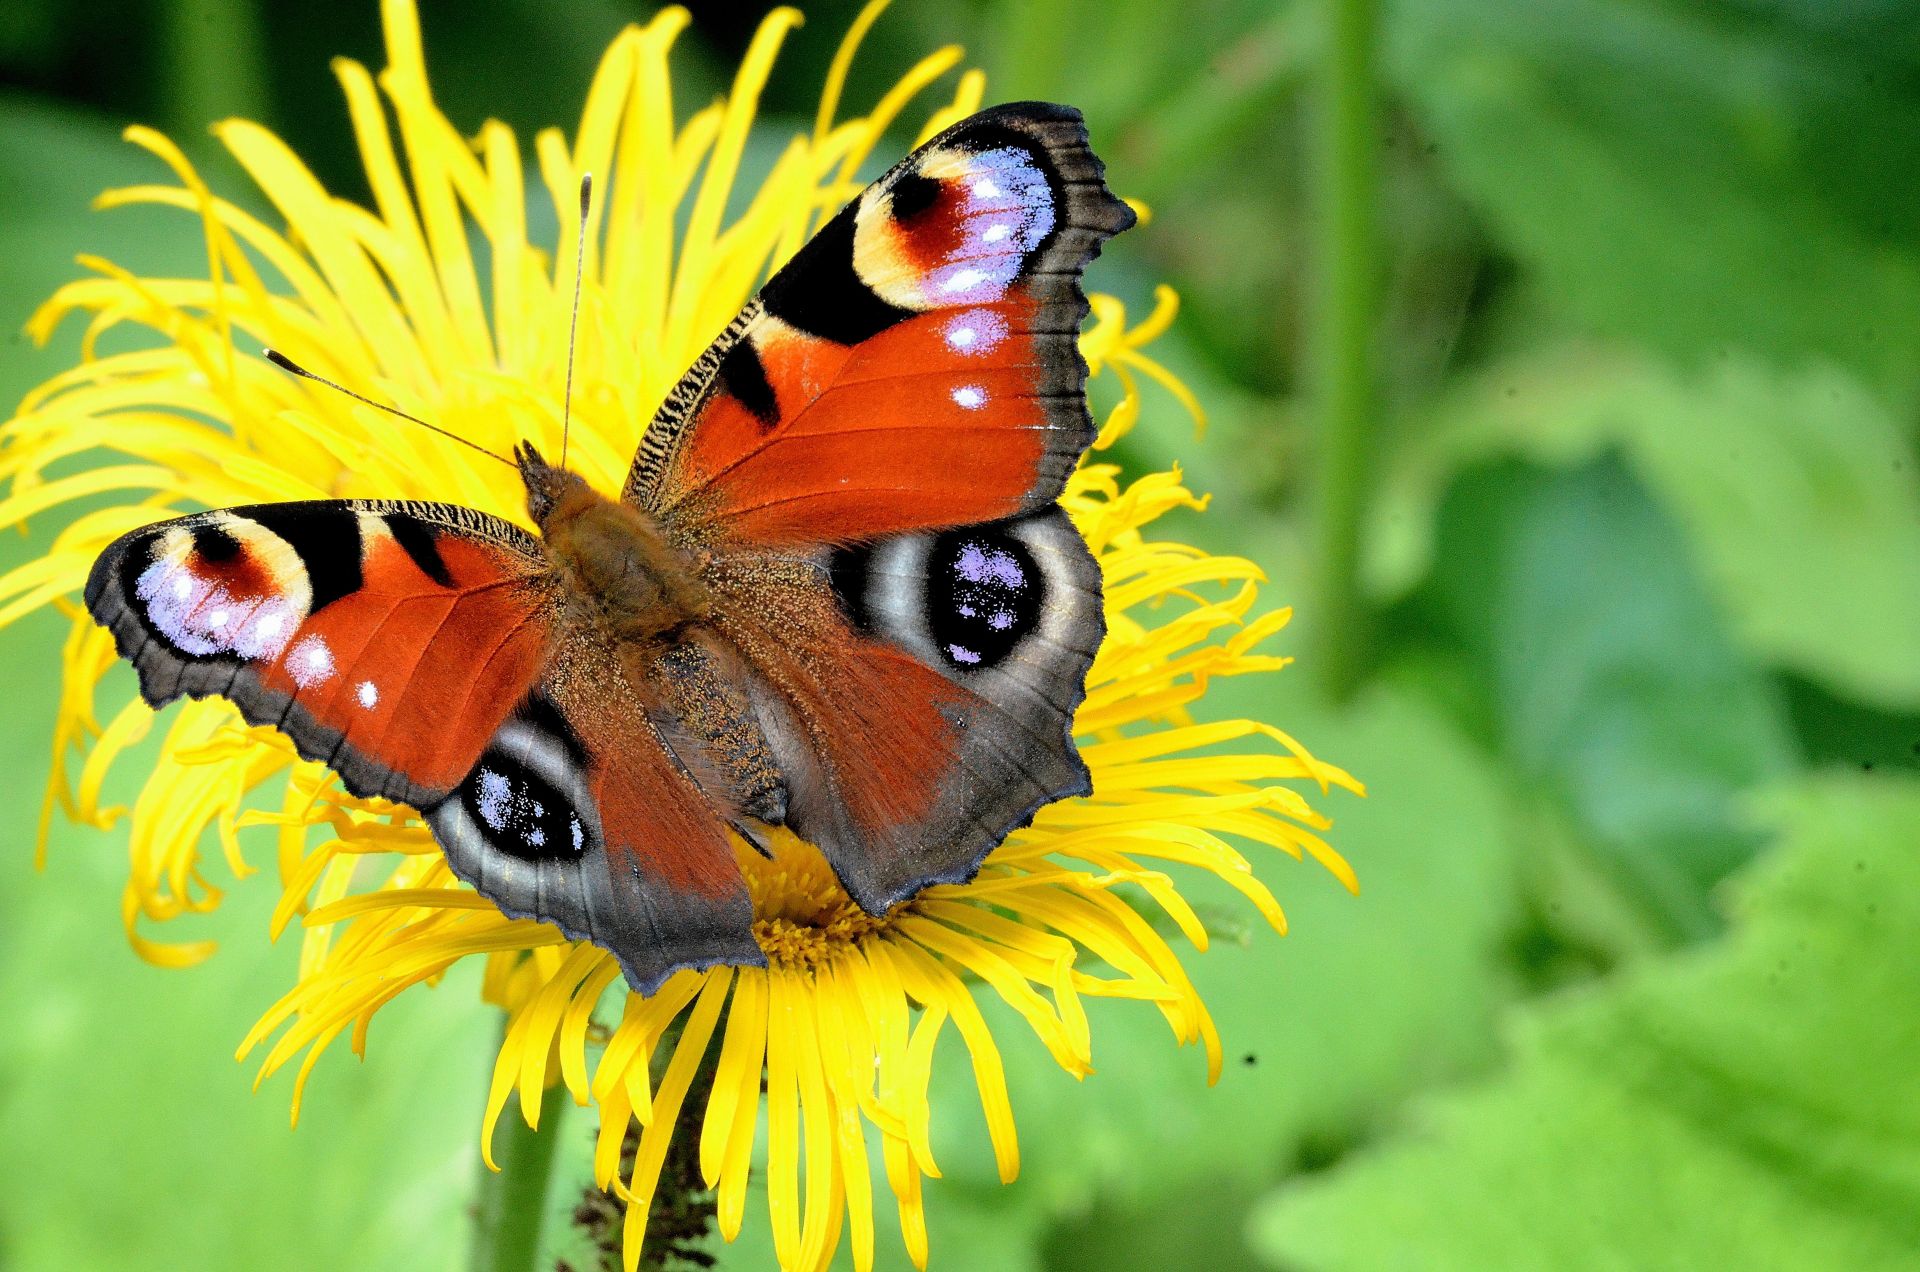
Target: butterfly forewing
{"x": 914, "y": 366}
{"x": 388, "y": 640}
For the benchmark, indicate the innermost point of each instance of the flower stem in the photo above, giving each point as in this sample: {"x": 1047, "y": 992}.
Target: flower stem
{"x": 681, "y": 1215}
{"x": 1344, "y": 329}
{"x": 513, "y": 1200}
{"x": 216, "y": 63}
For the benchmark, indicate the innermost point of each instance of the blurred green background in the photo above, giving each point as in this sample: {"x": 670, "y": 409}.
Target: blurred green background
{"x": 1563, "y": 362}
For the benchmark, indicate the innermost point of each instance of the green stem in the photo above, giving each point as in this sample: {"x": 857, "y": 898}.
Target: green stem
{"x": 513, "y": 1200}
{"x": 216, "y": 64}
{"x": 1345, "y": 329}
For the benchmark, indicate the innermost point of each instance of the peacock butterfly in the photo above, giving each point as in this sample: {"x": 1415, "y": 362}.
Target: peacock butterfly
{"x": 836, "y": 592}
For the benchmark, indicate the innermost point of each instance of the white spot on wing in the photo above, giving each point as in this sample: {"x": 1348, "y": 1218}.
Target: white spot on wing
{"x": 975, "y": 331}
{"x": 970, "y": 396}
{"x": 264, "y": 633}
{"x": 368, "y": 694}
{"x": 310, "y": 662}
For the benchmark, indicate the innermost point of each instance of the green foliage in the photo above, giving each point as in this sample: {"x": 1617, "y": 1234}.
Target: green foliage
{"x": 1604, "y": 675}
{"x": 1798, "y": 492}
{"x": 47, "y": 223}
{"x": 1362, "y": 1001}
{"x": 1753, "y": 1104}
{"x": 1697, "y": 176}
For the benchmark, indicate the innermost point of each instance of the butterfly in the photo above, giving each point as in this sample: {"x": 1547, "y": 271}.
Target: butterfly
{"x": 836, "y": 593}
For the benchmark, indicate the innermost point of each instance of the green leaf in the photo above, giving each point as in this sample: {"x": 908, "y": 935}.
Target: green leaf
{"x": 1753, "y": 1104}
{"x": 1697, "y": 176}
{"x": 1610, "y": 685}
{"x": 1798, "y": 493}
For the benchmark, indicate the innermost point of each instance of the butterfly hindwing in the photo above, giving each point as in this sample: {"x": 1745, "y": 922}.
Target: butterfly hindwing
{"x": 926, "y": 710}
{"x": 914, "y": 366}
{"x": 576, "y": 814}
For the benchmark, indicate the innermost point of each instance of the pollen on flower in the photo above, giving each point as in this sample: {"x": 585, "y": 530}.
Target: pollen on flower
{"x": 802, "y": 916}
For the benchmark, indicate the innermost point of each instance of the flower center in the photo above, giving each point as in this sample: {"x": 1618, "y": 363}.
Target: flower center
{"x": 802, "y": 917}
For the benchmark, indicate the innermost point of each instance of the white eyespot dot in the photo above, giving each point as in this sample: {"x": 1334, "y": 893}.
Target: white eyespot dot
{"x": 537, "y": 837}
{"x": 368, "y": 694}
{"x": 219, "y": 618}
{"x": 962, "y": 280}
{"x": 962, "y": 337}
{"x": 495, "y": 792}
{"x": 260, "y": 629}
{"x": 986, "y": 189}
{"x": 994, "y": 233}
{"x": 310, "y": 662}
{"x": 182, "y": 587}
{"x": 970, "y": 396}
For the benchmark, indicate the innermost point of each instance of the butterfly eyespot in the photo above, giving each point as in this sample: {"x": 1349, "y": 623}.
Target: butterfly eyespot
{"x": 520, "y": 812}
{"x": 983, "y": 596}
{"x": 911, "y": 195}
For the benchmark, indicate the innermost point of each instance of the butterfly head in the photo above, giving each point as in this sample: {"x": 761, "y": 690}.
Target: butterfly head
{"x": 548, "y": 485}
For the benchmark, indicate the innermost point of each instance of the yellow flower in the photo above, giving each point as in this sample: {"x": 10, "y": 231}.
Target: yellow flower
{"x": 843, "y": 1024}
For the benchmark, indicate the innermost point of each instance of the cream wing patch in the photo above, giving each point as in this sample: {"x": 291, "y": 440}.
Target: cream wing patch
{"x": 226, "y": 585}
{"x": 956, "y": 229}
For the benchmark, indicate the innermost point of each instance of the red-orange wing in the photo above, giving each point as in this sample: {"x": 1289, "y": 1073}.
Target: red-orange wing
{"x": 388, "y": 640}
{"x": 915, "y": 366}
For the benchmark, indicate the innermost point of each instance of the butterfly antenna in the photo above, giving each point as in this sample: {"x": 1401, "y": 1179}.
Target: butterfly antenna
{"x": 573, "y": 325}
{"x": 285, "y": 363}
